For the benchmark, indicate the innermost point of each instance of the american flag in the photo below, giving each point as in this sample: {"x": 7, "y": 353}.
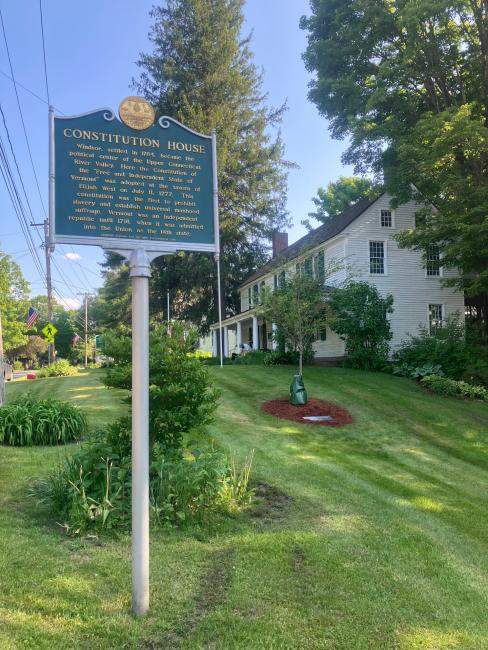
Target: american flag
{"x": 32, "y": 316}
{"x": 75, "y": 340}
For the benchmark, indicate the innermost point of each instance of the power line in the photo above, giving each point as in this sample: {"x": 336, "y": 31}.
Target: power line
{"x": 44, "y": 53}
{"x": 21, "y": 114}
{"x": 24, "y": 127}
{"x": 14, "y": 195}
{"x": 28, "y": 90}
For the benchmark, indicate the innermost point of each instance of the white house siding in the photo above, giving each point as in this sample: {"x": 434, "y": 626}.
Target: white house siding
{"x": 405, "y": 276}
{"x": 335, "y": 254}
{"x": 332, "y": 347}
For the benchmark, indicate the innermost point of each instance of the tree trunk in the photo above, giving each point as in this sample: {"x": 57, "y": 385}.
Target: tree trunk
{"x": 300, "y": 362}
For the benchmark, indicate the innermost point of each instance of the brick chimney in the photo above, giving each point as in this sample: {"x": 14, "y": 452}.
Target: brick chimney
{"x": 280, "y": 242}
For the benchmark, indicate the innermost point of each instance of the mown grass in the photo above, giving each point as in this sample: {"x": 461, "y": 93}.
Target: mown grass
{"x": 371, "y": 536}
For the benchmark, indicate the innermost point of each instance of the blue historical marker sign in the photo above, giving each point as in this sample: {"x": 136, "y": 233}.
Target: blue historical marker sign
{"x": 122, "y": 187}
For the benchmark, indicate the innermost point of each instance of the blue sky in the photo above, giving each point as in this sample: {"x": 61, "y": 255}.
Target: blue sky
{"x": 91, "y": 52}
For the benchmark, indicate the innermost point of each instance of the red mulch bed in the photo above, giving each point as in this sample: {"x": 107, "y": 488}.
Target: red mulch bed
{"x": 281, "y": 408}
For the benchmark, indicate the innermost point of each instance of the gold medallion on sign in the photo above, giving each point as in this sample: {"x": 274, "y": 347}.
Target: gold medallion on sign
{"x": 137, "y": 113}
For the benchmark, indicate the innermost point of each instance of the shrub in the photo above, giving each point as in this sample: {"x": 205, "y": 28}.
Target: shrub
{"x": 18, "y": 365}
{"x": 446, "y": 348}
{"x": 417, "y": 372}
{"x": 200, "y": 354}
{"x": 360, "y": 318}
{"x": 284, "y": 357}
{"x": 252, "y": 358}
{"x": 91, "y": 490}
{"x": 61, "y": 368}
{"x": 476, "y": 372}
{"x": 184, "y": 488}
{"x": 43, "y": 422}
{"x": 180, "y": 395}
{"x": 452, "y": 388}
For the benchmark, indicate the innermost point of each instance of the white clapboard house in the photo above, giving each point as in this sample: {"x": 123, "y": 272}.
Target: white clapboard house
{"x": 361, "y": 240}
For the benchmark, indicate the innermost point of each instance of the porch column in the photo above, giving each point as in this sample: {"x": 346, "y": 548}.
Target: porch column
{"x": 238, "y": 336}
{"x": 226, "y": 341}
{"x": 274, "y": 329}
{"x": 255, "y": 333}
{"x": 214, "y": 343}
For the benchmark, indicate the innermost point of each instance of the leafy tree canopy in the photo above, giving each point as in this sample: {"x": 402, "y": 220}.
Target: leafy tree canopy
{"x": 200, "y": 71}
{"x": 339, "y": 195}
{"x": 14, "y": 292}
{"x": 407, "y": 82}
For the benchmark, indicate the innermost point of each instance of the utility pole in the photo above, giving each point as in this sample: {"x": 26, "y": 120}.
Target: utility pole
{"x": 49, "y": 286}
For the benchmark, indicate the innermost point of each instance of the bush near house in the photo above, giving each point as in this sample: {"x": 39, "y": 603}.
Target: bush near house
{"x": 453, "y": 388}
{"x": 446, "y": 348}
{"x": 40, "y": 422}
{"x": 360, "y": 318}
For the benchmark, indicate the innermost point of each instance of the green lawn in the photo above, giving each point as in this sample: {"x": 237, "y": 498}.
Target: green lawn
{"x": 370, "y": 536}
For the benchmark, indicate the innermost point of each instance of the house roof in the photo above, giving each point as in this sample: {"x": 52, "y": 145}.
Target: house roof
{"x": 323, "y": 233}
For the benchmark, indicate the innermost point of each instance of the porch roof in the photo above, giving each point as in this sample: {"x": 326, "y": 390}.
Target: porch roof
{"x": 232, "y": 320}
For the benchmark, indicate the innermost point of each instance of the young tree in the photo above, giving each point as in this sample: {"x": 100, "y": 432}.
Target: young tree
{"x": 339, "y": 195}
{"x": 200, "y": 71}
{"x": 407, "y": 83}
{"x": 360, "y": 317}
{"x": 299, "y": 310}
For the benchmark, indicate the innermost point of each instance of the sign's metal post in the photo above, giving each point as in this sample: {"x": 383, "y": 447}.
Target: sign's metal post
{"x": 217, "y": 239}
{"x": 219, "y": 298}
{"x": 139, "y": 272}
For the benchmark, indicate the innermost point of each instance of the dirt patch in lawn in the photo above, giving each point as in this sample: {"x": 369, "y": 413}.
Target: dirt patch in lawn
{"x": 211, "y": 594}
{"x": 281, "y": 408}
{"x": 269, "y": 503}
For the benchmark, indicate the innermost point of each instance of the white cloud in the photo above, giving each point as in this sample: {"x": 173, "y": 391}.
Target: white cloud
{"x": 69, "y": 303}
{"x": 72, "y": 256}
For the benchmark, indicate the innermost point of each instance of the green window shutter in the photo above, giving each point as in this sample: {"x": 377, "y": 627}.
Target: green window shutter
{"x": 320, "y": 266}
{"x": 308, "y": 267}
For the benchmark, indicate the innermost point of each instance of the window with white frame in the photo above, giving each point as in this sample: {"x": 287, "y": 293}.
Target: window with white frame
{"x": 282, "y": 279}
{"x": 377, "y": 257}
{"x": 433, "y": 262}
{"x": 435, "y": 318}
{"x": 249, "y": 297}
{"x": 386, "y": 219}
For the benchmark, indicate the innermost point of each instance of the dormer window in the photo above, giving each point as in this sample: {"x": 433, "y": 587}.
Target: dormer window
{"x": 386, "y": 219}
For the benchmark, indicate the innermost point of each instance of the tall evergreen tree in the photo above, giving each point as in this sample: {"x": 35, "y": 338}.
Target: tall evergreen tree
{"x": 201, "y": 73}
